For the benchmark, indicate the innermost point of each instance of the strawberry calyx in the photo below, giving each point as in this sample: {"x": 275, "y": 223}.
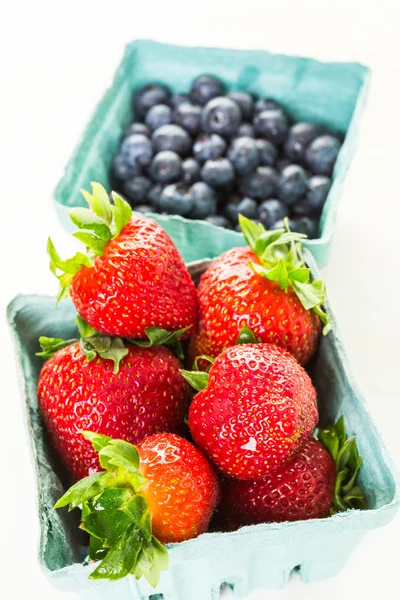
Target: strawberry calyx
{"x": 281, "y": 256}
{"x": 347, "y": 493}
{"x": 97, "y": 225}
{"x": 116, "y": 515}
{"x": 157, "y": 336}
{"x": 197, "y": 378}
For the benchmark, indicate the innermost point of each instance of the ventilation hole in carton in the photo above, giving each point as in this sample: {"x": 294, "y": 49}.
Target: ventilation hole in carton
{"x": 157, "y": 597}
{"x": 295, "y": 571}
{"x": 226, "y": 589}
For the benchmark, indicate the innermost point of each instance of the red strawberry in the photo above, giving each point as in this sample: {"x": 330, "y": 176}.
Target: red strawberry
{"x": 146, "y": 396}
{"x": 257, "y": 410}
{"x": 162, "y": 491}
{"x": 135, "y": 278}
{"x": 312, "y": 485}
{"x": 265, "y": 287}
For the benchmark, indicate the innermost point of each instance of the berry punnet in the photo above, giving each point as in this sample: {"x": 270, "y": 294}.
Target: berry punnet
{"x": 163, "y": 490}
{"x": 266, "y": 287}
{"x": 132, "y": 276}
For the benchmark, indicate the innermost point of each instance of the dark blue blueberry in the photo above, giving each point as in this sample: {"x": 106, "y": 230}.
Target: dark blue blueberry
{"x": 204, "y": 199}
{"x": 300, "y": 135}
{"x": 206, "y": 87}
{"x": 272, "y": 125}
{"x": 271, "y": 211}
{"x": 144, "y": 208}
{"x": 178, "y": 99}
{"x": 137, "y": 128}
{"x": 158, "y": 115}
{"x": 190, "y": 171}
{"x": 245, "y": 130}
{"x": 322, "y": 153}
{"x": 231, "y": 212}
{"x": 154, "y": 195}
{"x": 121, "y": 170}
{"x": 245, "y": 102}
{"x": 267, "y": 152}
{"x": 166, "y": 167}
{"x": 137, "y": 150}
{"x": 171, "y": 137}
{"x": 176, "y": 199}
{"x": 282, "y": 163}
{"x": 188, "y": 116}
{"x": 221, "y": 115}
{"x": 243, "y": 154}
{"x": 261, "y": 184}
{"x": 305, "y": 225}
{"x": 136, "y": 190}
{"x": 147, "y": 96}
{"x": 218, "y": 173}
{"x": 292, "y": 184}
{"x": 248, "y": 208}
{"x": 266, "y": 104}
{"x": 281, "y": 225}
{"x": 314, "y": 200}
{"x": 219, "y": 221}
{"x": 209, "y": 147}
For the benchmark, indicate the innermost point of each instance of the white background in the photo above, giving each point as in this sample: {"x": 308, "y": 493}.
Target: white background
{"x": 56, "y": 60}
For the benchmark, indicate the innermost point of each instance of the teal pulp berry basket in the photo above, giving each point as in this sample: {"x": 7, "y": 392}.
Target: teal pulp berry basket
{"x": 332, "y": 94}
{"x": 253, "y": 557}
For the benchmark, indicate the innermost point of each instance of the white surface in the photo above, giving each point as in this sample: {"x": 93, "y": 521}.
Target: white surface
{"x": 56, "y": 60}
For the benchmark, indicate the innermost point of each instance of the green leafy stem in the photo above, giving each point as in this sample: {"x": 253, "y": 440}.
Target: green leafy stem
{"x": 281, "y": 257}
{"x": 115, "y": 514}
{"x": 347, "y": 493}
{"x": 97, "y": 225}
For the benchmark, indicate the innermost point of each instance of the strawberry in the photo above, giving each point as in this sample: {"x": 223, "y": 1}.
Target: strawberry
{"x": 265, "y": 287}
{"x": 79, "y": 389}
{"x": 133, "y": 276}
{"x": 256, "y": 408}
{"x": 163, "y": 490}
{"x": 314, "y": 484}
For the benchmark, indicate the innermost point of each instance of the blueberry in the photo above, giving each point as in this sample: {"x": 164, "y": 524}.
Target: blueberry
{"x": 272, "y": 125}
{"x": 221, "y": 115}
{"x": 176, "y": 199}
{"x": 206, "y": 87}
{"x": 137, "y": 189}
{"x": 314, "y": 200}
{"x": 266, "y": 104}
{"x": 219, "y": 221}
{"x": 209, "y": 147}
{"x": 121, "y": 170}
{"x": 166, "y": 167}
{"x": 267, "y": 152}
{"x": 218, "y": 173}
{"x": 149, "y": 95}
{"x": 171, "y": 137}
{"x": 245, "y": 130}
{"x": 300, "y": 135}
{"x": 248, "y": 208}
{"x": 231, "y": 212}
{"x": 243, "y": 154}
{"x": 158, "y": 115}
{"x": 261, "y": 184}
{"x": 281, "y": 225}
{"x": 282, "y": 163}
{"x": 137, "y": 128}
{"x": 188, "y": 116}
{"x": 137, "y": 150}
{"x": 322, "y": 153}
{"x": 292, "y": 184}
{"x": 204, "y": 199}
{"x": 154, "y": 195}
{"x": 271, "y": 211}
{"x": 245, "y": 102}
{"x": 144, "y": 208}
{"x": 178, "y": 99}
{"x": 190, "y": 171}
{"x": 305, "y": 225}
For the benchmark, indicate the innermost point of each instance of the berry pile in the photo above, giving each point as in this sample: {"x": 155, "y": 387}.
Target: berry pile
{"x": 213, "y": 155}
{"x": 118, "y": 404}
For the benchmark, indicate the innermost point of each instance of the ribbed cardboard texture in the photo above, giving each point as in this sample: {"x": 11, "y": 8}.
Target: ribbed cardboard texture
{"x": 332, "y": 94}
{"x": 251, "y": 558}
